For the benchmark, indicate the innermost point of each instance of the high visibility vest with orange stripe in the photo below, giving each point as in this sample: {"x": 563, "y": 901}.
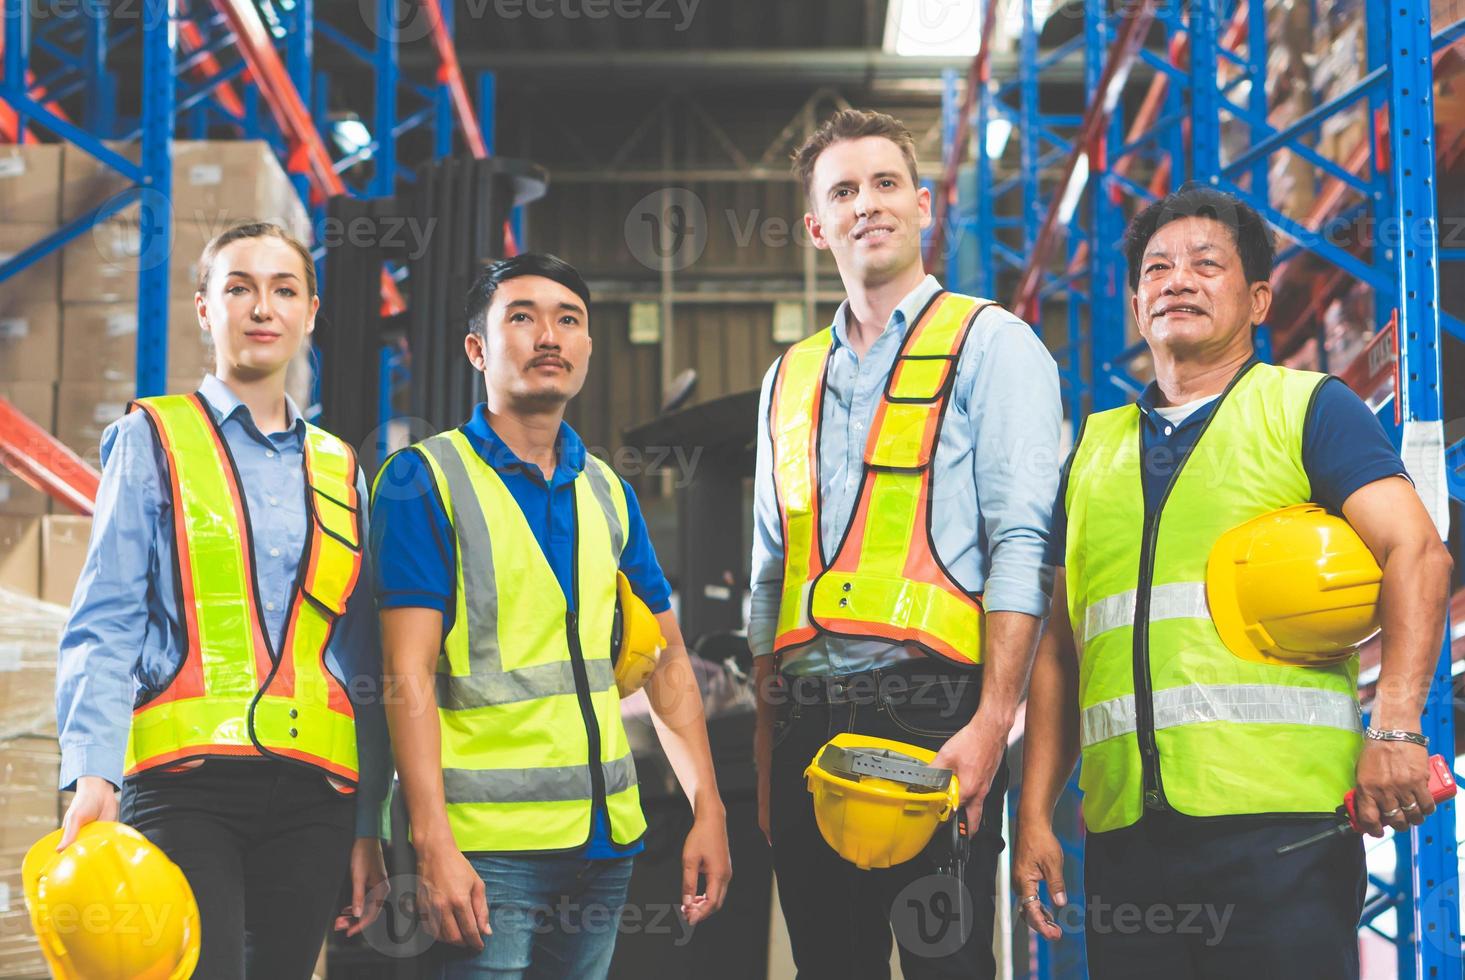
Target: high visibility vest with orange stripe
{"x": 885, "y": 580}
{"x": 232, "y": 694}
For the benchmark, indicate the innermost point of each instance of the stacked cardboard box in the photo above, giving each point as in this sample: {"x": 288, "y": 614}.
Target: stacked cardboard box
{"x": 30, "y": 805}
{"x": 30, "y": 316}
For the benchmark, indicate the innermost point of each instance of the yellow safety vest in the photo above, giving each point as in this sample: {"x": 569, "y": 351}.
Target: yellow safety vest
{"x": 885, "y": 580}
{"x": 233, "y": 695}
{"x": 527, "y": 701}
{"x": 1170, "y": 717}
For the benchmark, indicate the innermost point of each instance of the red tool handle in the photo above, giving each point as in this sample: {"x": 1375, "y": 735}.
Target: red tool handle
{"x": 1441, "y": 787}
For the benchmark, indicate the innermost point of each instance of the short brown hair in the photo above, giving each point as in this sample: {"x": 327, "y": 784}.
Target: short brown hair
{"x": 853, "y": 124}
{"x": 253, "y": 229}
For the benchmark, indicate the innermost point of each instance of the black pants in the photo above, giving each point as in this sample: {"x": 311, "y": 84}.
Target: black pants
{"x": 840, "y": 918}
{"x": 1179, "y": 898}
{"x": 265, "y": 846}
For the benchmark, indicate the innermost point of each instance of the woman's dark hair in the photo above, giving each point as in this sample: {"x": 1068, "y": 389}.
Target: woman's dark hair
{"x": 1253, "y": 237}
{"x": 480, "y": 294}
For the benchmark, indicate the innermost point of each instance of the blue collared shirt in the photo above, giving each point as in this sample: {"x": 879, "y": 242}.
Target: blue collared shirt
{"x": 994, "y": 474}
{"x": 415, "y": 549}
{"x": 125, "y": 637}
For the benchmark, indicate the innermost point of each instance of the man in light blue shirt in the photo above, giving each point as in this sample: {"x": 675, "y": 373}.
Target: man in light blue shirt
{"x": 994, "y": 471}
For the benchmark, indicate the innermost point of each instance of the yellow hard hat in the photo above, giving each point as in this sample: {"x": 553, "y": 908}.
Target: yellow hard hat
{"x": 111, "y": 906}
{"x": 636, "y": 642}
{"x": 1296, "y": 587}
{"x": 878, "y": 801}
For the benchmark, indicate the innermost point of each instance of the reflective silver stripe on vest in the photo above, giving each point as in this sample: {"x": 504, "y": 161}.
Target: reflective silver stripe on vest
{"x": 1177, "y": 600}
{"x": 601, "y": 486}
{"x": 545, "y": 785}
{"x": 487, "y": 682}
{"x": 1248, "y": 704}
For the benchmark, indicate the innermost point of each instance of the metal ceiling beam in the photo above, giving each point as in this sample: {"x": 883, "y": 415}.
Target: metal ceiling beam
{"x": 795, "y": 65}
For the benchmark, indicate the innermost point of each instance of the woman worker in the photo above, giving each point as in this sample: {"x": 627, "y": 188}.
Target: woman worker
{"x": 220, "y": 627}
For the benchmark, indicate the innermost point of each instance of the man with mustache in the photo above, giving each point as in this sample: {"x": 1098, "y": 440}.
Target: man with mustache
{"x": 1204, "y": 751}
{"x": 906, "y": 463}
{"x": 498, "y": 545}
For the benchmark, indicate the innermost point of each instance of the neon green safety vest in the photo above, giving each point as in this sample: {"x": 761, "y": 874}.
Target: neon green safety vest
{"x": 527, "y": 701}
{"x": 1169, "y": 716}
{"x": 232, "y": 695}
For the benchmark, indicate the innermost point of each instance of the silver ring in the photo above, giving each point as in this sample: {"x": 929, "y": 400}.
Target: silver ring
{"x": 1412, "y": 806}
{"x": 1027, "y": 901}
{"x": 1394, "y": 812}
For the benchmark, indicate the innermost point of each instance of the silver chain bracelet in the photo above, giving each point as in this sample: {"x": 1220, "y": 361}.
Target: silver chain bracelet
{"x": 1395, "y": 735}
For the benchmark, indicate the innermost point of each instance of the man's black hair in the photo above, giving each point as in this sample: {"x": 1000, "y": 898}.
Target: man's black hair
{"x": 480, "y": 294}
{"x": 1253, "y": 237}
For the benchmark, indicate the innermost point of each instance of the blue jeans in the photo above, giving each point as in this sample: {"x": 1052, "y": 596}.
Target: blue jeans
{"x": 552, "y": 917}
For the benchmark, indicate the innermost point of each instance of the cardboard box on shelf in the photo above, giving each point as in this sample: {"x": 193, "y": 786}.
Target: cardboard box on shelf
{"x": 102, "y": 265}
{"x": 99, "y": 342}
{"x": 30, "y": 806}
{"x": 30, "y": 183}
{"x": 29, "y": 768}
{"x": 30, "y": 341}
{"x": 84, "y": 409}
{"x": 63, "y": 552}
{"x": 216, "y": 183}
{"x": 36, "y": 401}
{"x": 30, "y": 632}
{"x": 20, "y": 554}
{"x": 38, "y": 282}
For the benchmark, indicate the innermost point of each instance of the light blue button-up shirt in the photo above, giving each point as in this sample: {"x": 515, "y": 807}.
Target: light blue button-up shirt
{"x": 995, "y": 473}
{"x": 124, "y": 638}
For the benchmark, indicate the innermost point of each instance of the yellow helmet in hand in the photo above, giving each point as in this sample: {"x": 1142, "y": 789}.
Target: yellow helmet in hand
{"x": 877, "y": 801}
{"x": 111, "y": 906}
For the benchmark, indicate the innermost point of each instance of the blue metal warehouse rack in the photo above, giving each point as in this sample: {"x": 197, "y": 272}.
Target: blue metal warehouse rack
{"x": 1391, "y": 182}
{"x": 192, "y": 57}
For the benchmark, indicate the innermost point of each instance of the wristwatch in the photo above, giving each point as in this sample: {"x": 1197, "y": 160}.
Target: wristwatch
{"x": 1395, "y": 735}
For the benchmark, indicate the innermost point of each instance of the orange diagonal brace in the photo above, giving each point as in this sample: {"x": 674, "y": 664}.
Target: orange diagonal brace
{"x": 977, "y": 76}
{"x": 1116, "y": 70}
{"x": 291, "y": 115}
{"x": 450, "y": 73}
{"x": 40, "y": 460}
{"x": 192, "y": 39}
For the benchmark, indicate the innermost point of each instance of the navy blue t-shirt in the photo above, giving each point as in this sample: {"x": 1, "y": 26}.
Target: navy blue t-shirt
{"x": 414, "y": 550}
{"x": 1343, "y": 448}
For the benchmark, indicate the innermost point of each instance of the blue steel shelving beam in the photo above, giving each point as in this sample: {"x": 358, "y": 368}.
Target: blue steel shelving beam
{"x": 1399, "y": 187}
{"x": 185, "y": 84}
{"x": 1400, "y": 193}
{"x": 151, "y": 177}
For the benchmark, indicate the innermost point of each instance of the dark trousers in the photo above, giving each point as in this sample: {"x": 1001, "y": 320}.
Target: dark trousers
{"x": 840, "y": 918}
{"x": 265, "y": 846}
{"x": 1180, "y": 898}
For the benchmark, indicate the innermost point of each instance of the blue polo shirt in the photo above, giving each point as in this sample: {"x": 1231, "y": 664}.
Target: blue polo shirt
{"x": 415, "y": 551}
{"x": 1343, "y": 448}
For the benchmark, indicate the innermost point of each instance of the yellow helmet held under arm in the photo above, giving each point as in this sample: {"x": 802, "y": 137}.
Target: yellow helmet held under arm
{"x": 1296, "y": 587}
{"x": 636, "y": 640}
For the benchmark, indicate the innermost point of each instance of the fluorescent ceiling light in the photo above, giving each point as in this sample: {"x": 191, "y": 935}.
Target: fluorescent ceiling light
{"x": 998, "y": 130}
{"x": 351, "y": 135}
{"x": 934, "y": 28}
{"x": 1012, "y": 23}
